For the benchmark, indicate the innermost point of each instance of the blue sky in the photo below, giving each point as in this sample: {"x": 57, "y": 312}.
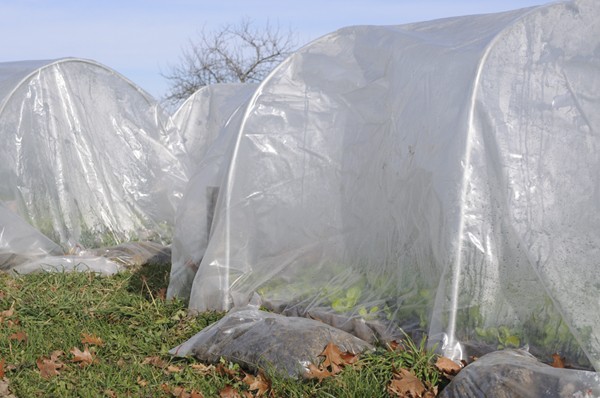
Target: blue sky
{"x": 142, "y": 38}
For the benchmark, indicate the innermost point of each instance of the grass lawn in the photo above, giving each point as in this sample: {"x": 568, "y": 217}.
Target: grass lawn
{"x": 83, "y": 335}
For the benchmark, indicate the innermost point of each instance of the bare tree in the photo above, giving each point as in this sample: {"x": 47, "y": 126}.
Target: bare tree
{"x": 234, "y": 53}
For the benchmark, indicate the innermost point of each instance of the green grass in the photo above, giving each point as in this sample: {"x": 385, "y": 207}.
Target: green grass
{"x": 135, "y": 323}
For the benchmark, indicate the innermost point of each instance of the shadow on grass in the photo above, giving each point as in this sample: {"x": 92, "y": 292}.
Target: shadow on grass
{"x": 151, "y": 280}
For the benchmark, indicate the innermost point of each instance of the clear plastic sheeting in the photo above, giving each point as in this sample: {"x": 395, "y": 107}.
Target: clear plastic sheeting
{"x": 88, "y": 158}
{"x": 24, "y": 250}
{"x": 20, "y": 242}
{"x": 196, "y": 211}
{"x": 134, "y": 254}
{"x": 516, "y": 373}
{"x": 72, "y": 263}
{"x": 442, "y": 175}
{"x": 202, "y": 116}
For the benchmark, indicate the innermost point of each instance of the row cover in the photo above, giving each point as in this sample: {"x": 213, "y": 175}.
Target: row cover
{"x": 88, "y": 158}
{"x": 442, "y": 177}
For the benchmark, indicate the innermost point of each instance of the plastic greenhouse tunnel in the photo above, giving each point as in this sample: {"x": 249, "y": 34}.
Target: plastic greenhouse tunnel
{"x": 89, "y": 160}
{"x": 440, "y": 178}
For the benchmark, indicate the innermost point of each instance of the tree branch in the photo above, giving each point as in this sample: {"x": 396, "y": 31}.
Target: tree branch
{"x": 234, "y": 53}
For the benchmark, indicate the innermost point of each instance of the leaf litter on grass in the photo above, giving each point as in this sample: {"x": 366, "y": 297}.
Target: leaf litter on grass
{"x": 50, "y": 367}
{"x": 124, "y": 328}
{"x": 76, "y": 313}
{"x": 83, "y": 358}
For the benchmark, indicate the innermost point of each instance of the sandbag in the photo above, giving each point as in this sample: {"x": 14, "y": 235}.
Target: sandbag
{"x": 262, "y": 340}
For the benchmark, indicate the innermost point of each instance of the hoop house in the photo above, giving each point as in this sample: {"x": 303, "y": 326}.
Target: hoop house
{"x": 440, "y": 176}
{"x": 87, "y": 157}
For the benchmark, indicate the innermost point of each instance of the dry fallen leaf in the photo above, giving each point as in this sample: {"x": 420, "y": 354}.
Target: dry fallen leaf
{"x": 333, "y": 362}
{"x": 173, "y": 369}
{"x": 161, "y": 294}
{"x": 432, "y": 392}
{"x": 5, "y": 390}
{"x": 49, "y": 367}
{"x": 91, "y": 339}
{"x": 317, "y": 373}
{"x": 9, "y": 312}
{"x": 226, "y": 371}
{"x": 12, "y": 322}
{"x": 165, "y": 387}
{"x": 179, "y": 392}
{"x": 406, "y": 385}
{"x": 54, "y": 355}
{"x": 333, "y": 358}
{"x": 258, "y": 383}
{"x": 1, "y": 368}
{"x": 557, "y": 361}
{"x": 19, "y": 336}
{"x": 229, "y": 392}
{"x": 447, "y": 366}
{"x": 155, "y": 361}
{"x": 141, "y": 382}
{"x": 202, "y": 369}
{"x": 349, "y": 358}
{"x": 84, "y": 357}
{"x": 393, "y": 345}
{"x": 110, "y": 393}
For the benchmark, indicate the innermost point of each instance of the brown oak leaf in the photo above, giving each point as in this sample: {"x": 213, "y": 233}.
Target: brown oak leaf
{"x": 91, "y": 339}
{"x": 155, "y": 361}
{"x": 180, "y": 392}
{"x": 333, "y": 362}
{"x": 406, "y": 385}
{"x": 141, "y": 382}
{"x": 9, "y": 312}
{"x": 447, "y": 366}
{"x": 229, "y": 392}
{"x": 84, "y": 357}
{"x": 203, "y": 369}
{"x": 258, "y": 383}
{"x": 333, "y": 358}
{"x": 393, "y": 345}
{"x": 49, "y": 367}
{"x": 349, "y": 358}
{"x": 318, "y": 373}
{"x": 225, "y": 371}
{"x": 54, "y": 355}
{"x": 19, "y": 336}
{"x": 173, "y": 369}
